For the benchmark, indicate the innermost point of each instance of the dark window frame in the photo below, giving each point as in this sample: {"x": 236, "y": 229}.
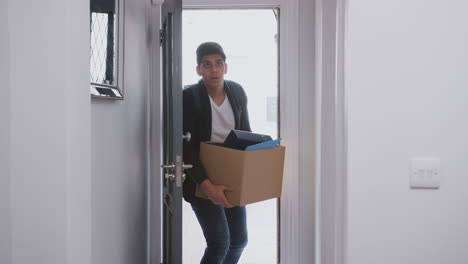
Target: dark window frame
{"x": 111, "y": 86}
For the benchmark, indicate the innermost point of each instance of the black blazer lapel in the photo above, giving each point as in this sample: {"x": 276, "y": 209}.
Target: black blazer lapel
{"x": 205, "y": 112}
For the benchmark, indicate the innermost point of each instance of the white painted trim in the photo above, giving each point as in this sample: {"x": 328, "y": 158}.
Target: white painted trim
{"x": 6, "y": 246}
{"x": 154, "y": 188}
{"x": 229, "y": 4}
{"x": 341, "y": 137}
{"x": 157, "y": 2}
{"x": 331, "y": 215}
{"x": 289, "y": 128}
{"x": 318, "y": 130}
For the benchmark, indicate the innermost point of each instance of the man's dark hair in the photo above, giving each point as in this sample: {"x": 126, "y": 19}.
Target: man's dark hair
{"x": 209, "y": 48}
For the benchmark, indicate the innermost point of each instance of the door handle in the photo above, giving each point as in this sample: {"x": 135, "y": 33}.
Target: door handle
{"x": 186, "y": 166}
{"x": 175, "y": 172}
{"x": 187, "y": 136}
{"x": 169, "y": 175}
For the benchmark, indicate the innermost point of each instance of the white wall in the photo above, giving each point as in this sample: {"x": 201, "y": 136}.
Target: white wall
{"x": 48, "y": 127}
{"x": 5, "y": 216}
{"x": 119, "y": 134}
{"x": 47, "y": 118}
{"x": 406, "y": 87}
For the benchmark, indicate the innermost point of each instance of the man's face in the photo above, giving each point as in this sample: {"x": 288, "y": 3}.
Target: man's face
{"x": 212, "y": 69}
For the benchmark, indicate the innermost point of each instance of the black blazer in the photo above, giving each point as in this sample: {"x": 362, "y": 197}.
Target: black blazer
{"x": 197, "y": 121}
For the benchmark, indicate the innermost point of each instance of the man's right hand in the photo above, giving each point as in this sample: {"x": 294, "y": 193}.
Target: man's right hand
{"x": 216, "y": 193}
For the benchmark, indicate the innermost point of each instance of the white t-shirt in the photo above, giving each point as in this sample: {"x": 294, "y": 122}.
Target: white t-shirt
{"x": 222, "y": 120}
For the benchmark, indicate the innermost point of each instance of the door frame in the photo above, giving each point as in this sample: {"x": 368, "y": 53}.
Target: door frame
{"x": 289, "y": 219}
{"x": 154, "y": 215}
{"x": 331, "y": 227}
{"x": 324, "y": 219}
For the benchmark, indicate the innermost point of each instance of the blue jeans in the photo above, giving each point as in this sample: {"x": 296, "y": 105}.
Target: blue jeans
{"x": 225, "y": 231}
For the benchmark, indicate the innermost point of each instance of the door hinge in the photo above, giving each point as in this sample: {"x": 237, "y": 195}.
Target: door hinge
{"x": 161, "y": 37}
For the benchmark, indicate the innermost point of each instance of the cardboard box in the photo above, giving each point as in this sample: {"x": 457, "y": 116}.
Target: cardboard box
{"x": 255, "y": 175}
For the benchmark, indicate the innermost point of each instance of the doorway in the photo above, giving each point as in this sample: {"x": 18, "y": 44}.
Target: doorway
{"x": 250, "y": 40}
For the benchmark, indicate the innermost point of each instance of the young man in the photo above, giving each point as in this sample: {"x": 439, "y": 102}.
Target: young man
{"x": 212, "y": 108}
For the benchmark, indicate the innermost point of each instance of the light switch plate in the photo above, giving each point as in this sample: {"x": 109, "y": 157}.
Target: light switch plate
{"x": 425, "y": 173}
